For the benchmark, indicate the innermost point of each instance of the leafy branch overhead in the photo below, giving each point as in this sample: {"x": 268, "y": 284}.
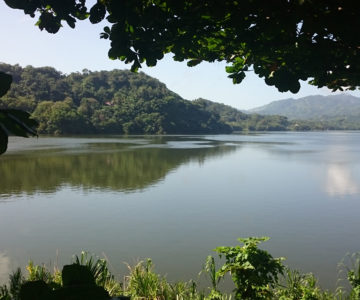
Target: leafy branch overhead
{"x": 281, "y": 41}
{"x": 13, "y": 121}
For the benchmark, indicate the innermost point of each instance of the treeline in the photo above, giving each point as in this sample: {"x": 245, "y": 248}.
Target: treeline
{"x": 122, "y": 102}
{"x": 118, "y": 102}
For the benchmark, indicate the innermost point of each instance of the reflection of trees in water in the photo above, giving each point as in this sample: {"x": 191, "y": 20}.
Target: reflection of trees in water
{"x": 122, "y": 170}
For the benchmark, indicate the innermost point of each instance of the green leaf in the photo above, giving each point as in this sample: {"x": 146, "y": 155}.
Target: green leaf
{"x": 5, "y": 83}
{"x": 81, "y": 16}
{"x": 71, "y": 21}
{"x": 104, "y": 35}
{"x": 17, "y": 122}
{"x": 193, "y": 62}
{"x": 3, "y": 141}
{"x": 107, "y": 29}
{"x": 49, "y": 22}
{"x": 97, "y": 13}
{"x": 16, "y": 4}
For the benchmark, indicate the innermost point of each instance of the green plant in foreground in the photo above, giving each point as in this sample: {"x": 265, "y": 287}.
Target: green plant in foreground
{"x": 354, "y": 278}
{"x": 209, "y": 270}
{"x": 12, "y": 292}
{"x": 36, "y": 272}
{"x": 352, "y": 268}
{"x": 254, "y": 271}
{"x": 100, "y": 271}
{"x": 143, "y": 282}
{"x": 4, "y": 293}
{"x": 299, "y": 286}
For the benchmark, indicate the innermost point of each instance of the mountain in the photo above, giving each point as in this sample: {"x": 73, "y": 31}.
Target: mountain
{"x": 314, "y": 108}
{"x": 240, "y": 121}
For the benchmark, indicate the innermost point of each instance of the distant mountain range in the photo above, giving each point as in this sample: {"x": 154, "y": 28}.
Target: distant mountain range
{"x": 313, "y": 107}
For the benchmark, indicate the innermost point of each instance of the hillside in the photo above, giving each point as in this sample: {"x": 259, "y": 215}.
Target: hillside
{"x": 122, "y": 102}
{"x": 326, "y": 108}
{"x": 240, "y": 121}
{"x": 118, "y": 101}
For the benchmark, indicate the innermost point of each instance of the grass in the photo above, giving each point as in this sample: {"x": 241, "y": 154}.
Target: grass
{"x": 143, "y": 283}
{"x": 101, "y": 273}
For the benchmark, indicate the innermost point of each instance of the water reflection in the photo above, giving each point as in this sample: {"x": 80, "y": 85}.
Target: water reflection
{"x": 339, "y": 181}
{"x": 111, "y": 165}
{"x": 275, "y": 185}
{"x": 341, "y": 158}
{"x": 4, "y": 268}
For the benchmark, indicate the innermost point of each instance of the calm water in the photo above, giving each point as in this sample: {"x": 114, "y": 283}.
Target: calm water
{"x": 176, "y": 198}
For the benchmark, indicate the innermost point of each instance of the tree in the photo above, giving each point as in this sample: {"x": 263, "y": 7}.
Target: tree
{"x": 253, "y": 270}
{"x": 282, "y": 41}
{"x": 13, "y": 121}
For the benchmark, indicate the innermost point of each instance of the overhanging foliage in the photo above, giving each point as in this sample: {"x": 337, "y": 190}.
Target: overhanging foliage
{"x": 13, "y": 121}
{"x": 282, "y": 41}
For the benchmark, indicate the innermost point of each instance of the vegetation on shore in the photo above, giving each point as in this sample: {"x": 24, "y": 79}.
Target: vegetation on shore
{"x": 255, "y": 273}
{"x": 116, "y": 102}
{"x": 121, "y": 102}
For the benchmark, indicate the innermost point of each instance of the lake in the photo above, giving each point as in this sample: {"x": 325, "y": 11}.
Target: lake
{"x": 175, "y": 198}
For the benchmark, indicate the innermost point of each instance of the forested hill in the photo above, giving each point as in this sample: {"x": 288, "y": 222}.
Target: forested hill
{"x": 104, "y": 102}
{"x": 122, "y": 102}
{"x": 240, "y": 121}
{"x": 314, "y": 107}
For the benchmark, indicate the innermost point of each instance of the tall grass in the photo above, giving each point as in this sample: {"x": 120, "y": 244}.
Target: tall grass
{"x": 143, "y": 283}
{"x": 350, "y": 265}
{"x": 100, "y": 271}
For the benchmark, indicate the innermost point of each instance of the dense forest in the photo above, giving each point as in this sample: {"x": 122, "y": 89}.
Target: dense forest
{"x": 122, "y": 102}
{"x": 104, "y": 102}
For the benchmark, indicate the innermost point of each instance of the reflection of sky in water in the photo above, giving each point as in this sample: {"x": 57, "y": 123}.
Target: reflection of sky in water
{"x": 339, "y": 181}
{"x": 4, "y": 268}
{"x": 190, "y": 144}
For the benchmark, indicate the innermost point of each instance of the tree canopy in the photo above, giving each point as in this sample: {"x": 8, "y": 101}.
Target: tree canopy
{"x": 282, "y": 41}
{"x": 112, "y": 102}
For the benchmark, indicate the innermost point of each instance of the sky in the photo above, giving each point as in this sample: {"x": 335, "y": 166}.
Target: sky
{"x": 72, "y": 50}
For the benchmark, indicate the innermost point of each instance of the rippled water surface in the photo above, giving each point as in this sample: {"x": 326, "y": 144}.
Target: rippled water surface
{"x": 175, "y": 198}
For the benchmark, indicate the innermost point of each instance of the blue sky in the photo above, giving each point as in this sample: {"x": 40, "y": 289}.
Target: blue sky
{"x": 72, "y": 50}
